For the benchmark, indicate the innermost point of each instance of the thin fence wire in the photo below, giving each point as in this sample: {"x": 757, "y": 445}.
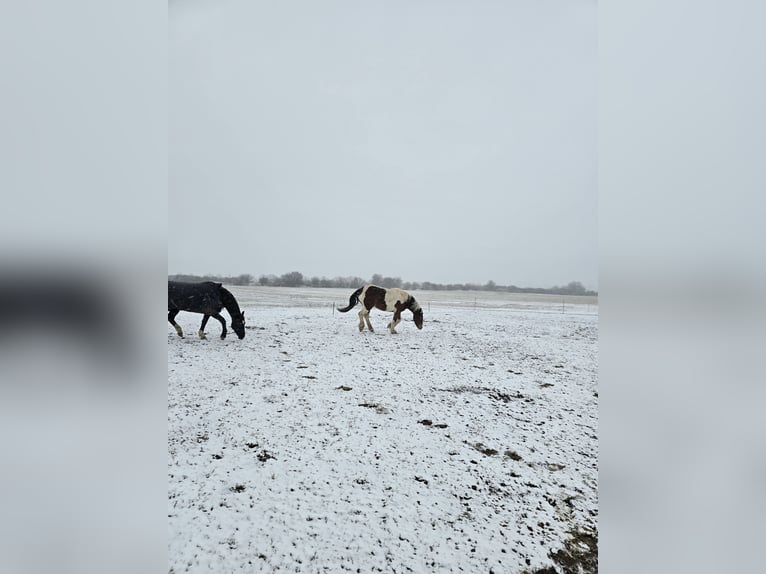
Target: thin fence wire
{"x": 329, "y": 298}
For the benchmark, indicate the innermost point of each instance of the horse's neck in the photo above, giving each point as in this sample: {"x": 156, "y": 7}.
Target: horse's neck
{"x": 230, "y": 303}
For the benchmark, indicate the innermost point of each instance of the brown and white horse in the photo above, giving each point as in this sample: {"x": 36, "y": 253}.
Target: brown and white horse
{"x": 394, "y": 299}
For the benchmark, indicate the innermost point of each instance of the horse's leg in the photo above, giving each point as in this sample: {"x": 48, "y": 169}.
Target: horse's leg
{"x": 395, "y": 321}
{"x": 202, "y": 327}
{"x": 223, "y": 324}
{"x": 361, "y": 320}
{"x": 367, "y": 319}
{"x": 172, "y": 319}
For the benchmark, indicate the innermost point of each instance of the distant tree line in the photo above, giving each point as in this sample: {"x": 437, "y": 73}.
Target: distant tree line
{"x": 244, "y": 279}
{"x": 296, "y": 279}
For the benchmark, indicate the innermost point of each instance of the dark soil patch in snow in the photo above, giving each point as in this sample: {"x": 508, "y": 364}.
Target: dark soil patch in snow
{"x": 473, "y": 390}
{"x": 429, "y": 422}
{"x": 580, "y": 553}
{"x": 343, "y": 388}
{"x": 265, "y": 455}
{"x": 378, "y": 409}
{"x": 506, "y": 397}
{"x": 512, "y": 454}
{"x": 484, "y": 450}
{"x": 491, "y": 393}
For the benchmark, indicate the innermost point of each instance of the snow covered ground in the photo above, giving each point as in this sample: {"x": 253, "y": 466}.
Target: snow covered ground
{"x": 469, "y": 446}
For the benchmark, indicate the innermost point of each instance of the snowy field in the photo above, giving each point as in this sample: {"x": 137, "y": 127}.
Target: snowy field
{"x": 469, "y": 446}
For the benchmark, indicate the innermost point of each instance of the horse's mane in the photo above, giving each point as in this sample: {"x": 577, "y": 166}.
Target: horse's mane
{"x": 230, "y": 302}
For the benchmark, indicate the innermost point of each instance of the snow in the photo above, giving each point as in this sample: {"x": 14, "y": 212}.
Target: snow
{"x": 310, "y": 447}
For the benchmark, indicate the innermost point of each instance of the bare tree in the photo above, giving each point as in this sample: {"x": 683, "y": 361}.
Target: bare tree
{"x": 292, "y": 279}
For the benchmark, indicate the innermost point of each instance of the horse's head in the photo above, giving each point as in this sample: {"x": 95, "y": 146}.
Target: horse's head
{"x": 238, "y": 325}
{"x": 417, "y": 316}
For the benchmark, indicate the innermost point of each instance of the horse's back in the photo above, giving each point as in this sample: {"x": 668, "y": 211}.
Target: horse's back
{"x": 198, "y": 297}
{"x": 385, "y": 299}
{"x": 396, "y": 293}
{"x": 395, "y": 297}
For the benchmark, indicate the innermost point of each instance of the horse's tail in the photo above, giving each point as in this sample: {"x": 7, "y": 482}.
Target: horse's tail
{"x": 352, "y": 301}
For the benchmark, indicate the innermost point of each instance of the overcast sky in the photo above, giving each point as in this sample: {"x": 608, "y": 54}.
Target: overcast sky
{"x": 436, "y": 141}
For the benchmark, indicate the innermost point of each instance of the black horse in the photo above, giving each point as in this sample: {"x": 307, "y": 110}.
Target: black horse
{"x": 207, "y": 298}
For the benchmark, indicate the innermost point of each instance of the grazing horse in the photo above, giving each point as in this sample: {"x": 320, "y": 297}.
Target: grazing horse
{"x": 393, "y": 299}
{"x": 207, "y": 298}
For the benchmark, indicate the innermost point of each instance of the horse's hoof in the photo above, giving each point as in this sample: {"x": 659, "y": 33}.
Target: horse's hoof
{"x": 202, "y": 335}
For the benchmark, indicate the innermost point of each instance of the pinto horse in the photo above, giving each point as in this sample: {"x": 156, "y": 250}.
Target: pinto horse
{"x": 207, "y": 298}
{"x": 393, "y": 299}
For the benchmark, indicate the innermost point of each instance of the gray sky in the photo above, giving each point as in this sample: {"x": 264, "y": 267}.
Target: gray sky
{"x": 434, "y": 141}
